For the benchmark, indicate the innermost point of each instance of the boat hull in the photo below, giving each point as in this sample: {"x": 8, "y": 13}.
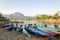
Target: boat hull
{"x": 36, "y": 32}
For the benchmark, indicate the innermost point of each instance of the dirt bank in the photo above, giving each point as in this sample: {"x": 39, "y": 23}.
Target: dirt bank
{"x": 14, "y": 35}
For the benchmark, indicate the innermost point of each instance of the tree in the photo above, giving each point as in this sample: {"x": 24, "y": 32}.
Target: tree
{"x": 2, "y": 18}
{"x": 56, "y": 15}
{"x": 38, "y": 18}
{"x": 44, "y": 16}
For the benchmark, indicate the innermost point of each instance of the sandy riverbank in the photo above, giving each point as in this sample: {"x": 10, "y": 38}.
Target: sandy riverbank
{"x": 14, "y": 35}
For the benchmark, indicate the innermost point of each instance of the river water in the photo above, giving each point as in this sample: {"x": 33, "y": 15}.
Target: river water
{"x": 37, "y": 23}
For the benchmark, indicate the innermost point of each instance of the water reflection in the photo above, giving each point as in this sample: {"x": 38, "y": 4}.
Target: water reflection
{"x": 39, "y": 24}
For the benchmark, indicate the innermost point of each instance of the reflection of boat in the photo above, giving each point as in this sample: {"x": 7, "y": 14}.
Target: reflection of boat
{"x": 36, "y": 32}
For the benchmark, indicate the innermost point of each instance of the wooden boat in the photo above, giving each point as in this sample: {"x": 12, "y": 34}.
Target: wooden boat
{"x": 53, "y": 31}
{"x": 37, "y": 32}
{"x": 10, "y": 27}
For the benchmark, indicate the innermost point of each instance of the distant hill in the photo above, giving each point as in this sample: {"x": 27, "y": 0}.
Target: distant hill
{"x": 18, "y": 16}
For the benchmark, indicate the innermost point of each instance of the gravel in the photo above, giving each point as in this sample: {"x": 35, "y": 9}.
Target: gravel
{"x": 14, "y": 35}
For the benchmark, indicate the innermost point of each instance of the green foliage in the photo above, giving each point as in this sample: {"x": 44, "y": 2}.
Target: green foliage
{"x": 38, "y": 17}
{"x": 56, "y": 15}
{"x": 2, "y": 18}
{"x": 44, "y": 16}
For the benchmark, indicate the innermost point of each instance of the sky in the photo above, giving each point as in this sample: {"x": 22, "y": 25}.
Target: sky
{"x": 30, "y": 7}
